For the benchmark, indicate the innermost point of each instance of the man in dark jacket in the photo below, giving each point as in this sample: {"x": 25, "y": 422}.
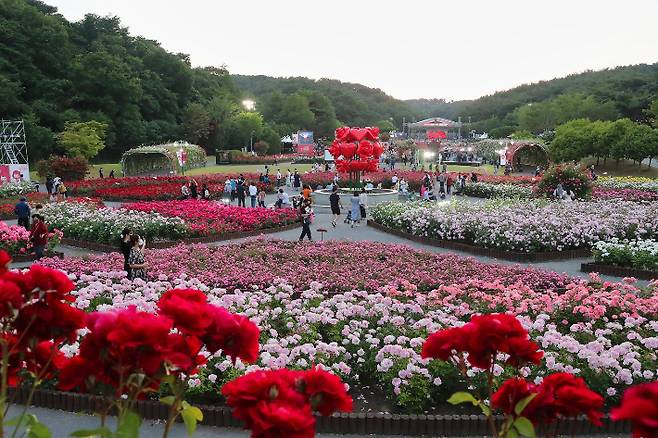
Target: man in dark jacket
{"x": 39, "y": 235}
{"x": 22, "y": 210}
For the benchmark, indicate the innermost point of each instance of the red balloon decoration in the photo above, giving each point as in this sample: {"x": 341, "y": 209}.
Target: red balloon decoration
{"x": 356, "y": 149}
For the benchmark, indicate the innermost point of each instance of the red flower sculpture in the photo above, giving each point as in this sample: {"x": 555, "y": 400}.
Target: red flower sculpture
{"x": 356, "y": 149}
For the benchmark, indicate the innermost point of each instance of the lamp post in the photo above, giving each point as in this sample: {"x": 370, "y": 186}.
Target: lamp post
{"x": 251, "y": 142}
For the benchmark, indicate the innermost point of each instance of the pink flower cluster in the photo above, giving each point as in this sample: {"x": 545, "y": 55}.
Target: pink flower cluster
{"x": 209, "y": 218}
{"x": 624, "y": 194}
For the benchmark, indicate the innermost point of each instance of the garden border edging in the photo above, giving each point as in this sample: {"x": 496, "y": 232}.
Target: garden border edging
{"x": 160, "y": 244}
{"x": 618, "y": 271}
{"x": 362, "y": 423}
{"x": 22, "y": 258}
{"x": 514, "y": 256}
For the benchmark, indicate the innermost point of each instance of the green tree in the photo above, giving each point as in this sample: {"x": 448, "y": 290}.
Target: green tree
{"x": 272, "y": 138}
{"x": 196, "y": 123}
{"x": 324, "y": 114}
{"x": 243, "y": 127}
{"x": 83, "y": 139}
{"x": 572, "y": 141}
{"x": 261, "y": 147}
{"x": 652, "y": 112}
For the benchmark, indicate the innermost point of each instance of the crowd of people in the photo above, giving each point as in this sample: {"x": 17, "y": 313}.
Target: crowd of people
{"x": 36, "y": 226}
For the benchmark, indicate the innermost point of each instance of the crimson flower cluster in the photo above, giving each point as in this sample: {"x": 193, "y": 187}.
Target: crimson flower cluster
{"x": 280, "y": 403}
{"x": 559, "y": 394}
{"x": 483, "y": 338}
{"x": 36, "y": 319}
{"x": 640, "y": 406}
{"x": 128, "y": 342}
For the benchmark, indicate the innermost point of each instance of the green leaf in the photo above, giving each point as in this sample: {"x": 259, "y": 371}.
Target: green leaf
{"x": 486, "y": 410}
{"x": 38, "y": 430}
{"x": 521, "y": 405}
{"x": 129, "y": 425}
{"x": 168, "y": 400}
{"x": 512, "y": 433}
{"x": 525, "y": 427}
{"x": 462, "y": 397}
{"x": 191, "y": 415}
{"x": 102, "y": 432}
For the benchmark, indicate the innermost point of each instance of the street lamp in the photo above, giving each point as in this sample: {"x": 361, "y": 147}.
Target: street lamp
{"x": 249, "y": 104}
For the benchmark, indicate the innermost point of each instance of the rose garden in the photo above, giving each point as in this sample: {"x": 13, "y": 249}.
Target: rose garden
{"x": 341, "y": 335}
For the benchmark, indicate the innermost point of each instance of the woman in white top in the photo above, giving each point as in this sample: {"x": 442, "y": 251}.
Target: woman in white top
{"x": 363, "y": 202}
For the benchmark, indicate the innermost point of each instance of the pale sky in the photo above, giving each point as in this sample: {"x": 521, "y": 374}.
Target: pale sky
{"x": 452, "y": 49}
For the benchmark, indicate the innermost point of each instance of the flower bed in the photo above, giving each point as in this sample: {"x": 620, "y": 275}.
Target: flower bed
{"x": 340, "y": 265}
{"x": 603, "y": 332}
{"x": 86, "y": 221}
{"x": 628, "y": 182}
{"x": 639, "y": 254}
{"x": 7, "y": 205}
{"x": 12, "y": 190}
{"x": 525, "y": 226}
{"x": 491, "y": 190}
{"x": 624, "y": 194}
{"x": 209, "y": 218}
{"x": 16, "y": 240}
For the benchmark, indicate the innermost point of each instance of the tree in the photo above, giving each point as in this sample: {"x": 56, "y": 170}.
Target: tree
{"x": 243, "y": 127}
{"x": 652, "y": 112}
{"x": 272, "y": 138}
{"x": 572, "y": 141}
{"x": 83, "y": 139}
{"x": 261, "y": 147}
{"x": 324, "y": 120}
{"x": 196, "y": 123}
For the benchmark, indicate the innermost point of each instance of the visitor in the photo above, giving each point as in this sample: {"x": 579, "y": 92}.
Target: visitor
{"x": 278, "y": 178}
{"x": 568, "y": 195}
{"x": 363, "y": 203}
{"x": 234, "y": 189}
{"x": 306, "y": 192}
{"x": 38, "y": 209}
{"x": 592, "y": 173}
{"x": 253, "y": 192}
{"x": 39, "y": 235}
{"x": 22, "y": 212}
{"x": 184, "y": 191}
{"x": 240, "y": 191}
{"x": 441, "y": 179}
{"x": 282, "y": 199}
{"x": 267, "y": 169}
{"x": 49, "y": 185}
{"x": 228, "y": 190}
{"x": 194, "y": 189}
{"x": 444, "y": 168}
{"x": 537, "y": 171}
{"x": 136, "y": 261}
{"x": 306, "y": 213}
{"x": 449, "y": 183}
{"x": 559, "y": 192}
{"x": 111, "y": 176}
{"x": 61, "y": 191}
{"x": 355, "y": 210}
{"x": 334, "y": 201}
{"x": 296, "y": 180}
{"x": 261, "y": 178}
{"x": 403, "y": 186}
{"x": 205, "y": 192}
{"x": 474, "y": 177}
{"x": 261, "y": 198}
{"x": 394, "y": 181}
{"x": 100, "y": 172}
{"x": 125, "y": 247}
{"x": 289, "y": 178}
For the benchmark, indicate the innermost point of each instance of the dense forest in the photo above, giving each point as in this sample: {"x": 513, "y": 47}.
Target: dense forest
{"x": 92, "y": 78}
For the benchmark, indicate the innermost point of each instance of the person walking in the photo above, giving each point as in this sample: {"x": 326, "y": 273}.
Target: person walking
{"x": 194, "y": 189}
{"x": 282, "y": 199}
{"x": 278, "y": 178}
{"x": 288, "y": 178}
{"x": 334, "y": 201}
{"x": 22, "y": 211}
{"x": 253, "y": 192}
{"x": 305, "y": 212}
{"x": 261, "y": 198}
{"x": 111, "y": 176}
{"x": 39, "y": 235}
{"x": 355, "y": 210}
{"x": 296, "y": 180}
{"x": 185, "y": 191}
{"x": 234, "y": 189}
{"x": 125, "y": 246}
{"x": 240, "y": 191}
{"x": 394, "y": 181}
{"x": 100, "y": 173}
{"x": 363, "y": 203}
{"x": 49, "y": 186}
{"x": 61, "y": 191}
{"x": 136, "y": 261}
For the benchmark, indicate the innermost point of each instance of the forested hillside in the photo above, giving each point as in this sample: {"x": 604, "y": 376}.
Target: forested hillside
{"x": 602, "y": 95}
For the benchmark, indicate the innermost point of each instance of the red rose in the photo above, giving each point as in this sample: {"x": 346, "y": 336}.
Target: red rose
{"x": 567, "y": 395}
{"x": 50, "y": 280}
{"x": 440, "y": 345}
{"x": 278, "y": 420}
{"x": 326, "y": 392}
{"x": 522, "y": 351}
{"x": 639, "y": 404}
{"x": 234, "y": 334}
{"x": 10, "y": 297}
{"x": 44, "y": 359}
{"x": 5, "y": 260}
{"x": 50, "y": 319}
{"x": 510, "y": 393}
{"x": 188, "y": 308}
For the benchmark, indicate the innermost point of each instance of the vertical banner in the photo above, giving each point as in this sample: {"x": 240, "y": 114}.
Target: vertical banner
{"x": 19, "y": 172}
{"x": 4, "y": 173}
{"x": 305, "y": 145}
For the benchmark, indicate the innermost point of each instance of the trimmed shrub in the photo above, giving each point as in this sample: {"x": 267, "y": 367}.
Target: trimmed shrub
{"x": 67, "y": 168}
{"x": 570, "y": 176}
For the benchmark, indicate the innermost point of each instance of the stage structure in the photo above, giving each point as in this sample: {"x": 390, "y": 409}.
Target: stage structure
{"x": 435, "y": 128}
{"x": 14, "y": 165}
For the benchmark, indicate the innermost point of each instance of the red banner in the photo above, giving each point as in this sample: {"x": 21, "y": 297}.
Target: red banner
{"x": 306, "y": 149}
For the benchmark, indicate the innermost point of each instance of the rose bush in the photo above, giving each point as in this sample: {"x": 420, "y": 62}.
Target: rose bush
{"x": 207, "y": 218}
{"x": 527, "y": 226}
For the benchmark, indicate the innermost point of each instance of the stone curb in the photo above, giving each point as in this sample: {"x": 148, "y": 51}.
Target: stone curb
{"x": 514, "y": 256}
{"x": 618, "y": 271}
{"x": 21, "y": 258}
{"x": 362, "y": 423}
{"x": 159, "y": 244}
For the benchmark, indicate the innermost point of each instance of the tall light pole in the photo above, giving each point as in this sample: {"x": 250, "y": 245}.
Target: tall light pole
{"x": 251, "y": 142}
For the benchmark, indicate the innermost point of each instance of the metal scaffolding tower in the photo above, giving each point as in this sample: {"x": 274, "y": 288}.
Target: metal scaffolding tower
{"x": 13, "y": 149}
